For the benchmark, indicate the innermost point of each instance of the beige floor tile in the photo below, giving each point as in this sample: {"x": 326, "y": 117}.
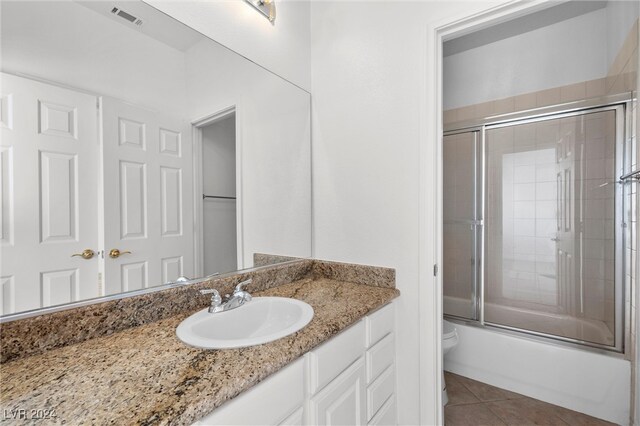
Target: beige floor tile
{"x": 525, "y": 411}
{"x": 470, "y": 415}
{"x": 469, "y": 401}
{"x": 457, "y": 392}
{"x": 574, "y": 418}
{"x": 485, "y": 392}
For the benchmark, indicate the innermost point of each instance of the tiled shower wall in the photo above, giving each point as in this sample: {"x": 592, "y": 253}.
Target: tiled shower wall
{"x": 530, "y": 211}
{"x": 521, "y": 257}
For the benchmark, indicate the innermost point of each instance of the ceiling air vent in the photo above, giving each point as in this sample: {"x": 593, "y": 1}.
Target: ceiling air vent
{"x": 121, "y": 13}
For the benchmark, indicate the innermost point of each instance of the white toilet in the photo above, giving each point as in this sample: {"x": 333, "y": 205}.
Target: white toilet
{"x": 449, "y": 341}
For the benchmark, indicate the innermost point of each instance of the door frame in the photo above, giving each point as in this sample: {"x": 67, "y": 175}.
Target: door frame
{"x": 431, "y": 197}
{"x": 197, "y": 127}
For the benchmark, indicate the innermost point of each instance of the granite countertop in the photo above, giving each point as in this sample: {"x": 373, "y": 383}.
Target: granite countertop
{"x": 145, "y": 375}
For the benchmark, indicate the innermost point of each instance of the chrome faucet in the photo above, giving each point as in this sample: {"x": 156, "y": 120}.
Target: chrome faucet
{"x": 216, "y": 300}
{"x": 239, "y": 297}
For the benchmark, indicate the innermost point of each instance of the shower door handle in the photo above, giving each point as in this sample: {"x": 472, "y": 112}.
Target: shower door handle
{"x": 555, "y": 239}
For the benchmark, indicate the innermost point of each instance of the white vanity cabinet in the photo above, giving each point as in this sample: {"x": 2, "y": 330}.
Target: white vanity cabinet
{"x": 278, "y": 400}
{"x": 381, "y": 367}
{"x": 337, "y": 379}
{"x": 348, "y": 380}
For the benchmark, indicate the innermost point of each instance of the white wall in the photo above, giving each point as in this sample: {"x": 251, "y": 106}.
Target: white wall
{"x": 369, "y": 65}
{"x": 273, "y": 142}
{"x": 64, "y": 42}
{"x": 567, "y": 52}
{"x": 282, "y": 48}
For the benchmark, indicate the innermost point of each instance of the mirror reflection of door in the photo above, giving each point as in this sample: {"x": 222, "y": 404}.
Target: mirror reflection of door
{"x": 147, "y": 198}
{"x": 51, "y": 133}
{"x": 103, "y": 195}
{"x": 219, "y": 210}
{"x": 129, "y": 179}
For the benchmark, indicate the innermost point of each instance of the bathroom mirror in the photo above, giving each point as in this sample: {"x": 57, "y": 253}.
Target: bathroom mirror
{"x": 136, "y": 152}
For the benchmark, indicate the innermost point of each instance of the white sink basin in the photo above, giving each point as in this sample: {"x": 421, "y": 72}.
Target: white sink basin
{"x": 262, "y": 320}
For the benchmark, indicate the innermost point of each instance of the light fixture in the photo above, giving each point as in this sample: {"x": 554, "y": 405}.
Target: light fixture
{"x": 265, "y": 7}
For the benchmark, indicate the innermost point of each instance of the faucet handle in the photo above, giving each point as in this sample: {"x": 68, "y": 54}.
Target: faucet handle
{"x": 240, "y": 287}
{"x": 215, "y": 298}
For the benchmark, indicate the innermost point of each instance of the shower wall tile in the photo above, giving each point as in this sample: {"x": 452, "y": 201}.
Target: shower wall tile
{"x": 524, "y": 191}
{"x": 525, "y": 101}
{"x": 546, "y": 191}
{"x": 525, "y": 173}
{"x": 573, "y": 92}
{"x": 548, "y": 97}
{"x": 595, "y": 88}
{"x": 485, "y": 109}
{"x": 525, "y": 133}
{"x": 450, "y": 116}
{"x": 524, "y": 227}
{"x": 545, "y": 173}
{"x": 466, "y": 113}
{"x": 594, "y": 309}
{"x": 504, "y": 106}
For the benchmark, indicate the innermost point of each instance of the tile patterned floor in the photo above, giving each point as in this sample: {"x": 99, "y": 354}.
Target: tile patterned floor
{"x": 473, "y": 403}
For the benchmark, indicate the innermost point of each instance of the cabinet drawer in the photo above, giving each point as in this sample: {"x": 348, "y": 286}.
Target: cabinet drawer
{"x": 270, "y": 402}
{"x": 333, "y": 357}
{"x": 387, "y": 414}
{"x": 380, "y": 390}
{"x": 380, "y": 357}
{"x": 379, "y": 324}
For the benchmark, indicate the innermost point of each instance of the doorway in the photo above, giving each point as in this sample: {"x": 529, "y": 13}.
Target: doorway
{"x": 218, "y": 210}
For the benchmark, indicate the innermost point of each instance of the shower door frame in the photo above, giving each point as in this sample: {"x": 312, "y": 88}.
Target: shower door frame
{"x": 621, "y": 104}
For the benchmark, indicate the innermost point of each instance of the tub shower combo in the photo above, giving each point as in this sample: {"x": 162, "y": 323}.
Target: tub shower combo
{"x": 535, "y": 222}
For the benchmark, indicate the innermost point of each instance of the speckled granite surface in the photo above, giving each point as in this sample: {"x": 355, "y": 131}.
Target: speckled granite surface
{"x": 263, "y": 259}
{"x": 41, "y": 333}
{"x": 360, "y": 274}
{"x": 145, "y": 375}
{"x": 38, "y": 334}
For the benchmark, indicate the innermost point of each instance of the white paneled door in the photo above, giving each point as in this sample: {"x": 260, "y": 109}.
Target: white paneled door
{"x": 148, "y": 203}
{"x": 52, "y": 134}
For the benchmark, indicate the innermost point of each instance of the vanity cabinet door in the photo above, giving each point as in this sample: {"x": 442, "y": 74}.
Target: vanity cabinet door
{"x": 341, "y": 402}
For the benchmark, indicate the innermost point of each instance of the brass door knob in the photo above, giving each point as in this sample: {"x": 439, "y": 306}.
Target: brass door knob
{"x": 86, "y": 254}
{"x": 115, "y": 253}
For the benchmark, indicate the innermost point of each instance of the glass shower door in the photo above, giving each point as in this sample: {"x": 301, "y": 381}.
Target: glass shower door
{"x": 550, "y": 264}
{"x": 460, "y": 231}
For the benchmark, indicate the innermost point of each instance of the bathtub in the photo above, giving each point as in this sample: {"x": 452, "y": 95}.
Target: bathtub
{"x": 542, "y": 322}
{"x": 592, "y": 382}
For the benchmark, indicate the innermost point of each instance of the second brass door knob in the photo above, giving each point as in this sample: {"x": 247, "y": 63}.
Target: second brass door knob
{"x": 115, "y": 253}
